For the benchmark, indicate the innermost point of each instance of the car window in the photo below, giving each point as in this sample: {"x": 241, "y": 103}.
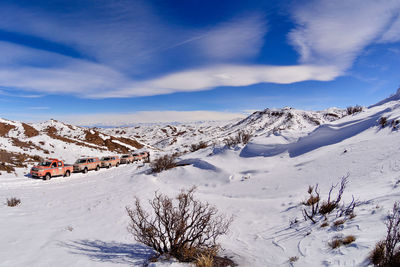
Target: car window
{"x": 59, "y": 164}
{"x": 53, "y": 165}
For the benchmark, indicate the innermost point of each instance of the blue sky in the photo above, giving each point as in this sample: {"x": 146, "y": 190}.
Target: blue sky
{"x": 116, "y": 62}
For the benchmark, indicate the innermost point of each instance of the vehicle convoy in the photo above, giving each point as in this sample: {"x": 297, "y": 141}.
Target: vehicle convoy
{"x": 110, "y": 161}
{"x": 86, "y": 164}
{"x": 53, "y": 167}
{"x": 126, "y": 159}
{"x": 50, "y": 168}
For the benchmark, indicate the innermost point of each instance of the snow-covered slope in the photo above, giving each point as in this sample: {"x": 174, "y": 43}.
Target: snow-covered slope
{"x": 288, "y": 122}
{"x": 81, "y": 220}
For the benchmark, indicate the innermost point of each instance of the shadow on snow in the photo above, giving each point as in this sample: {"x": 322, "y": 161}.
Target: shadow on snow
{"x": 113, "y": 252}
{"x": 322, "y": 136}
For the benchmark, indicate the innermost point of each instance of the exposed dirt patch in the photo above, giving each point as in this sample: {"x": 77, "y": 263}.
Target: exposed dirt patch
{"x": 29, "y": 131}
{"x": 179, "y": 133}
{"x": 52, "y": 132}
{"x": 311, "y": 119}
{"x": 23, "y": 144}
{"x": 130, "y": 142}
{"x": 5, "y": 128}
{"x": 93, "y": 136}
{"x": 11, "y": 160}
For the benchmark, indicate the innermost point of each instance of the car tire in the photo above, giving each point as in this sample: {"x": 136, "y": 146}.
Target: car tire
{"x": 85, "y": 170}
{"x": 97, "y": 167}
{"x": 67, "y": 174}
{"x": 47, "y": 176}
{"x": 116, "y": 165}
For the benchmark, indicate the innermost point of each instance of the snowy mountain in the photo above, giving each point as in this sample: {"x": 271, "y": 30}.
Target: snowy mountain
{"x": 81, "y": 220}
{"x": 179, "y": 137}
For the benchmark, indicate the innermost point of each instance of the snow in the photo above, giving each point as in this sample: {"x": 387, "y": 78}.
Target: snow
{"x": 81, "y": 220}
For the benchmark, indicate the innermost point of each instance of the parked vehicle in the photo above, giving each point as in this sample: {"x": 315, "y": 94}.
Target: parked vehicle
{"x": 86, "y": 164}
{"x": 110, "y": 161}
{"x": 50, "y": 168}
{"x": 141, "y": 156}
{"x": 126, "y": 159}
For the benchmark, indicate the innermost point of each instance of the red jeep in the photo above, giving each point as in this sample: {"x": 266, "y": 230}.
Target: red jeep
{"x": 50, "y": 168}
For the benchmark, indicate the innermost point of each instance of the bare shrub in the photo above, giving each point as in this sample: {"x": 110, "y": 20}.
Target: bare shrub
{"x": 377, "y": 255}
{"x": 314, "y": 208}
{"x": 348, "y": 239}
{"x": 200, "y": 145}
{"x": 339, "y": 222}
{"x": 324, "y": 224}
{"x": 329, "y": 205}
{"x": 354, "y": 109}
{"x": 387, "y": 252}
{"x": 12, "y": 202}
{"x": 395, "y": 124}
{"x": 312, "y": 202}
{"x": 293, "y": 259}
{"x": 382, "y": 122}
{"x": 242, "y": 137}
{"x": 337, "y": 242}
{"x": 162, "y": 163}
{"x": 182, "y": 227}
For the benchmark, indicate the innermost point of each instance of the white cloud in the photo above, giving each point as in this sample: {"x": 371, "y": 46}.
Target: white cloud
{"x": 240, "y": 38}
{"x": 335, "y": 32}
{"x": 91, "y": 80}
{"x": 109, "y": 119}
{"x": 393, "y": 33}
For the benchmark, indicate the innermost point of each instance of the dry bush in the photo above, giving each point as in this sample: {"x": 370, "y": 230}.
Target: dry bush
{"x": 352, "y": 110}
{"x": 324, "y": 224}
{"x": 163, "y": 163}
{"x": 337, "y": 242}
{"x": 387, "y": 252}
{"x": 12, "y": 202}
{"x": 242, "y": 137}
{"x": 329, "y": 205}
{"x": 339, "y": 222}
{"x": 382, "y": 122}
{"x": 394, "y": 124}
{"x": 200, "y": 145}
{"x": 312, "y": 202}
{"x": 377, "y": 255}
{"x": 348, "y": 239}
{"x": 293, "y": 259}
{"x": 206, "y": 258}
{"x": 314, "y": 208}
{"x": 183, "y": 227}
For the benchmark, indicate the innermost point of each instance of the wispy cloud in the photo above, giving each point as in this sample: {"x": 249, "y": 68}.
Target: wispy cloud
{"x": 240, "y": 38}
{"x": 127, "y": 48}
{"x": 91, "y": 80}
{"x": 393, "y": 32}
{"x": 109, "y": 119}
{"x": 39, "y": 108}
{"x": 335, "y": 32}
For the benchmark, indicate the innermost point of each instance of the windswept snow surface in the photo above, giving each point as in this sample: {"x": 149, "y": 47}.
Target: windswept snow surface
{"x": 81, "y": 220}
